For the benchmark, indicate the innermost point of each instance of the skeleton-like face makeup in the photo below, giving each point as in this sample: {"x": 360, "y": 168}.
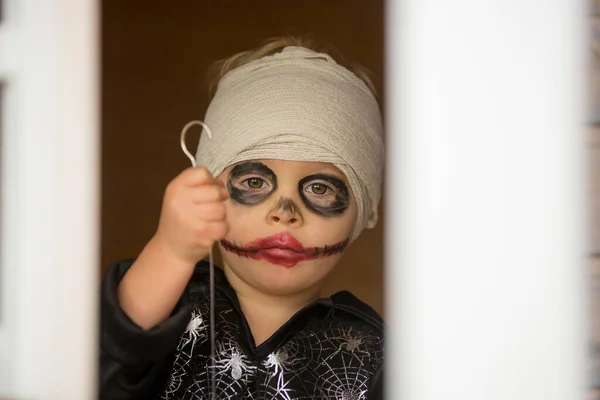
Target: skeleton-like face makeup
{"x": 324, "y": 194}
{"x": 251, "y": 183}
{"x": 285, "y": 214}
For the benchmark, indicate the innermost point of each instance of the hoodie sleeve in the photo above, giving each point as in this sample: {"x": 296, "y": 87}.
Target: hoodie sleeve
{"x": 134, "y": 361}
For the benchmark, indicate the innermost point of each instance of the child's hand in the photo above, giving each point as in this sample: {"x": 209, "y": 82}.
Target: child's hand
{"x": 193, "y": 215}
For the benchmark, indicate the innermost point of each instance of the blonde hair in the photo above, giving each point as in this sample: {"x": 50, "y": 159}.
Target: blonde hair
{"x": 274, "y": 45}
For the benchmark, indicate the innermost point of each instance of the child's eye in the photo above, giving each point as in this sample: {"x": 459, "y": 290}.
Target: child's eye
{"x": 318, "y": 189}
{"x": 255, "y": 183}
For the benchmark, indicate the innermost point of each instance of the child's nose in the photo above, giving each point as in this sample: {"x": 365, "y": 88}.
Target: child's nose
{"x": 285, "y": 212}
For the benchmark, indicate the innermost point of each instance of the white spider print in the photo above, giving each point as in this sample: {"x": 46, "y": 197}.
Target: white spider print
{"x": 236, "y": 362}
{"x": 195, "y": 328}
{"x": 351, "y": 344}
{"x": 277, "y": 359}
{"x": 195, "y": 331}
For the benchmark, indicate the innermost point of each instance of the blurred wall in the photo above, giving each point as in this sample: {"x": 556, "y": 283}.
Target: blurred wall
{"x": 154, "y": 58}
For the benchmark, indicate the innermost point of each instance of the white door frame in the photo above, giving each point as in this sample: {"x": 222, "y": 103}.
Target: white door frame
{"x": 485, "y": 241}
{"x": 50, "y": 199}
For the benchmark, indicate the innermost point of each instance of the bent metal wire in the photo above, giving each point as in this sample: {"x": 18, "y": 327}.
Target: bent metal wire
{"x": 210, "y": 257}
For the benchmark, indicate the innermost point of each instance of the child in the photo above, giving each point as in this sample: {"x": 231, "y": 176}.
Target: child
{"x": 290, "y": 178}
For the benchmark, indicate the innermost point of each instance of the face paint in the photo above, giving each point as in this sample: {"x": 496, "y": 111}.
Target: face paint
{"x": 324, "y": 194}
{"x": 251, "y": 183}
{"x": 287, "y": 206}
{"x": 282, "y": 249}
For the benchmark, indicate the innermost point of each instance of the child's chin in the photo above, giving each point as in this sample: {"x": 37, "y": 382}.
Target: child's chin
{"x": 278, "y": 280}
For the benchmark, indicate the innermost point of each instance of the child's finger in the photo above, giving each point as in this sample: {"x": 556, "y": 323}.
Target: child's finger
{"x": 224, "y": 193}
{"x": 196, "y": 176}
{"x": 206, "y": 194}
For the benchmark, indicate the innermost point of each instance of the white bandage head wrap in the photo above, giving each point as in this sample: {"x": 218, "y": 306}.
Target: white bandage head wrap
{"x": 299, "y": 105}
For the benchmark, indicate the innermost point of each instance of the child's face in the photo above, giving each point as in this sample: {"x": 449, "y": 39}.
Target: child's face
{"x": 289, "y": 223}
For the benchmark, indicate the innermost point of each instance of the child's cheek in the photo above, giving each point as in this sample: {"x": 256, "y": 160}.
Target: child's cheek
{"x": 242, "y": 220}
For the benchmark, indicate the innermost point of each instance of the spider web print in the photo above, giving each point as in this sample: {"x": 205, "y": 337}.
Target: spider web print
{"x": 191, "y": 374}
{"x": 335, "y": 361}
{"x": 342, "y": 375}
{"x": 195, "y": 334}
{"x": 332, "y": 359}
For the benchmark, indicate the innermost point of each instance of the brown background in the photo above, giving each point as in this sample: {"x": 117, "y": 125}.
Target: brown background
{"x": 154, "y": 58}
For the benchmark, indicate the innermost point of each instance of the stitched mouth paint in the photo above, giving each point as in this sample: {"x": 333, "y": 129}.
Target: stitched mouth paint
{"x": 282, "y": 249}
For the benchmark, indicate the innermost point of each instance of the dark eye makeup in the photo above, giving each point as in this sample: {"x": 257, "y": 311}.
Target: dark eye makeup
{"x": 324, "y": 194}
{"x": 251, "y": 183}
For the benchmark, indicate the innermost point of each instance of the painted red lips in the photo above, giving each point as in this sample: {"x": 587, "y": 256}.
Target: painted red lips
{"x": 282, "y": 249}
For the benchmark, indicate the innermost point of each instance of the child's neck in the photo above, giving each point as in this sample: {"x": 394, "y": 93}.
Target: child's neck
{"x": 264, "y": 312}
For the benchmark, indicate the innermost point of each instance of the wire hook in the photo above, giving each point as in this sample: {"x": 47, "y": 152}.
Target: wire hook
{"x": 184, "y": 133}
{"x": 210, "y": 258}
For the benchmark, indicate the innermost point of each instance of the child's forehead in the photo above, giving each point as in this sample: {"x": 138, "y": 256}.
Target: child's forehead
{"x": 294, "y": 167}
